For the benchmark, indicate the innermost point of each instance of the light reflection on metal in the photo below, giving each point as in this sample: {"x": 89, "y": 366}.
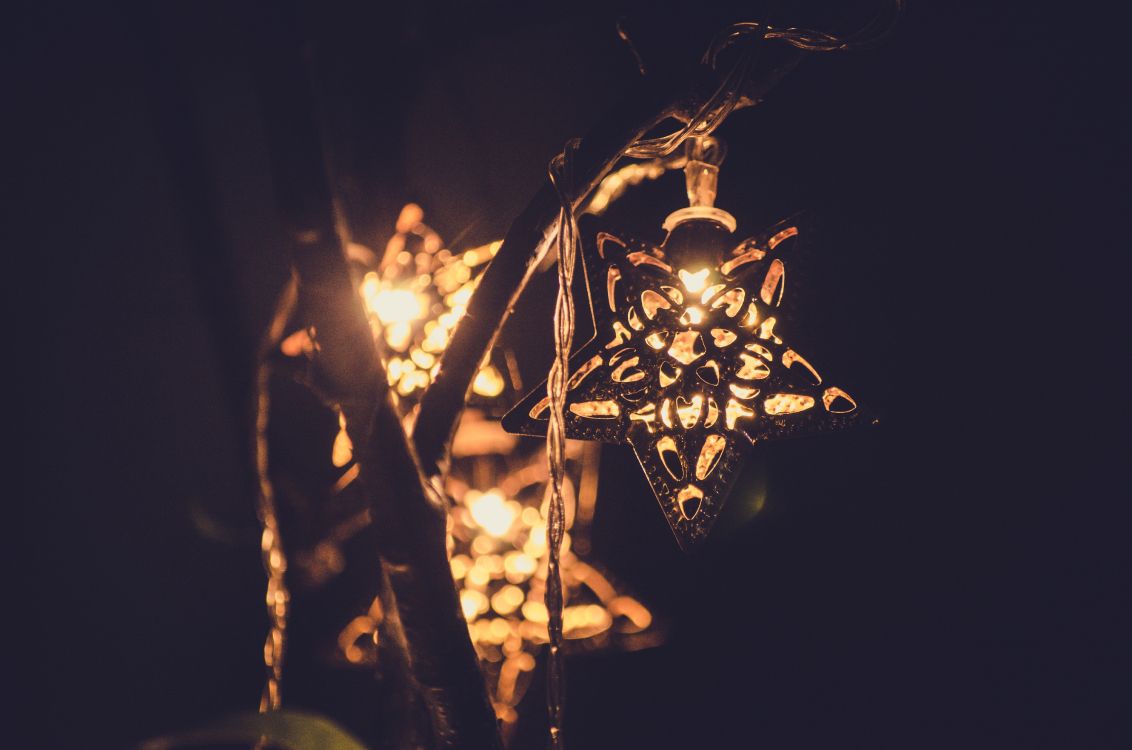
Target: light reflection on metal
{"x": 697, "y": 317}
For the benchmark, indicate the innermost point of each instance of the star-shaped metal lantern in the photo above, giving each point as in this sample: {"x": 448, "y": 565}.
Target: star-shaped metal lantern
{"x": 688, "y": 365}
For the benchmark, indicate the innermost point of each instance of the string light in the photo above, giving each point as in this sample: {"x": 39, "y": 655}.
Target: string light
{"x": 498, "y": 541}
{"x": 498, "y": 553}
{"x": 416, "y": 298}
{"x": 689, "y": 366}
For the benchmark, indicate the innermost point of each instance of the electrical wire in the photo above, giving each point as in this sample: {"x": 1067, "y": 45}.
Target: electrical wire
{"x": 561, "y": 177}
{"x": 660, "y": 150}
{"x": 727, "y": 95}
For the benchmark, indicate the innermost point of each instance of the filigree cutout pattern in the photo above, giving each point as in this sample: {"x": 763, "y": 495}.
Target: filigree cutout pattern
{"x": 688, "y": 367}
{"x": 415, "y": 300}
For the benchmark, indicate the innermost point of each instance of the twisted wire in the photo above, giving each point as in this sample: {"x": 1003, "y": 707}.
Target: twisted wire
{"x": 561, "y": 177}
{"x": 727, "y": 95}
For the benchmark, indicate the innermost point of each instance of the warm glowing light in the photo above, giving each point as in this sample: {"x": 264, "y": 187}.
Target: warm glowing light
{"x": 687, "y": 347}
{"x": 492, "y": 512}
{"x": 535, "y": 611}
{"x": 507, "y": 599}
{"x": 673, "y": 293}
{"x": 669, "y": 374}
{"x": 398, "y": 335}
{"x": 752, "y": 369}
{"x": 689, "y": 500}
{"x": 628, "y": 372}
{"x": 692, "y": 316}
{"x": 775, "y": 280}
{"x": 611, "y": 282}
{"x": 743, "y": 391}
{"x": 736, "y": 411}
{"x": 689, "y": 411}
{"x": 787, "y": 403}
{"x": 733, "y": 301}
{"x": 519, "y": 566}
{"x": 620, "y": 335}
{"x": 596, "y": 409}
{"x": 460, "y": 565}
{"x": 646, "y": 414}
{"x": 709, "y": 455}
{"x": 692, "y": 375}
{"x": 837, "y": 401}
{"x": 652, "y": 301}
{"x": 712, "y": 412}
{"x": 488, "y": 382}
{"x": 670, "y": 457}
{"x": 343, "y": 451}
{"x": 694, "y": 281}
{"x": 473, "y": 603}
{"x": 791, "y": 358}
{"x": 395, "y": 305}
{"x": 417, "y": 299}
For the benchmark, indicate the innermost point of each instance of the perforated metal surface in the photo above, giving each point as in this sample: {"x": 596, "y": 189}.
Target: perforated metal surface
{"x": 689, "y": 365}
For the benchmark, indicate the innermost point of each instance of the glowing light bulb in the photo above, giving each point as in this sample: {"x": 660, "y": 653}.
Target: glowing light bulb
{"x": 692, "y": 316}
{"x": 488, "y": 382}
{"x": 394, "y": 305}
{"x": 493, "y": 514}
{"x": 694, "y": 281}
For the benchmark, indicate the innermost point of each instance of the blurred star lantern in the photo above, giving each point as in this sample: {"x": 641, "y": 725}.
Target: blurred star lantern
{"x": 414, "y": 300}
{"x": 497, "y": 550}
{"x": 689, "y": 365}
{"x": 497, "y": 482}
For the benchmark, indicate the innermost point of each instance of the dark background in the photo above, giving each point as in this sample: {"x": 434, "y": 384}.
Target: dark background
{"x": 955, "y": 577}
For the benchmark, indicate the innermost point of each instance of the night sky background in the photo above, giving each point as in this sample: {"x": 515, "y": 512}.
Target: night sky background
{"x": 956, "y": 576}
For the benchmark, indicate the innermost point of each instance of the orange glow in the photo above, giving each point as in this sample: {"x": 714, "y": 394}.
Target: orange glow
{"x": 689, "y": 411}
{"x": 343, "y": 450}
{"x": 493, "y": 514}
{"x": 723, "y": 337}
{"x": 687, "y": 347}
{"x": 694, "y": 281}
{"x": 709, "y": 455}
{"x": 736, "y": 411}
{"x": 689, "y": 500}
{"x": 473, "y": 603}
{"x": 391, "y": 305}
{"x": 596, "y": 409}
{"x": 692, "y": 316}
{"x": 488, "y": 382}
{"x": 752, "y": 369}
{"x": 787, "y": 403}
{"x": 652, "y": 301}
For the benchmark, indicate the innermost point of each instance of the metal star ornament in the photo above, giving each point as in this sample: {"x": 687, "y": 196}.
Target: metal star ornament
{"x": 688, "y": 365}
